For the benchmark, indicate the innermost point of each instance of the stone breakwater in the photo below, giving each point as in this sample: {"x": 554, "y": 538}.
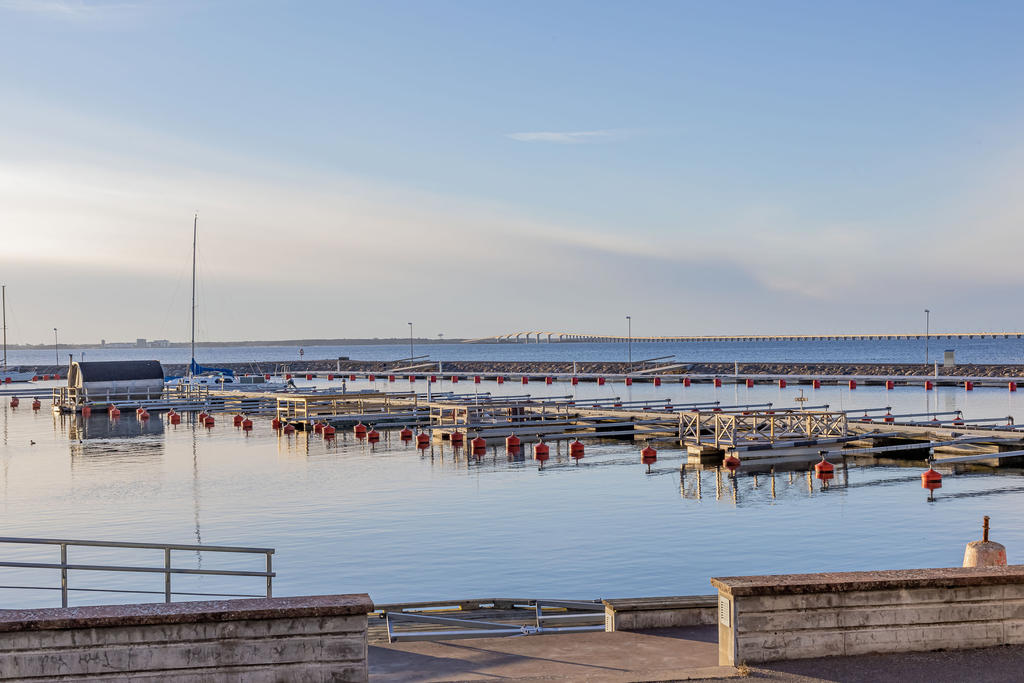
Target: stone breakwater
{"x": 614, "y": 368}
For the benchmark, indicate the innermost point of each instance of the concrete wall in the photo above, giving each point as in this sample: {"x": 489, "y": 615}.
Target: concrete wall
{"x": 641, "y": 614}
{"x": 770, "y": 618}
{"x": 320, "y": 638}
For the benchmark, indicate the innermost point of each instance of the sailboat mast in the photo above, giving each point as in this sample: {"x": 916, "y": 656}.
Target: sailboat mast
{"x": 3, "y": 295}
{"x": 195, "y": 222}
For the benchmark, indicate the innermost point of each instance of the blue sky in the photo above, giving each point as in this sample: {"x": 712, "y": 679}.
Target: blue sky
{"x": 487, "y": 167}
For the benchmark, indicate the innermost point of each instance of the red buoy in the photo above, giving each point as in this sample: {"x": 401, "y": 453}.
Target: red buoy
{"x": 499, "y": 379}
{"x": 391, "y": 378}
{"x": 329, "y": 432}
{"x": 246, "y": 424}
{"x": 330, "y": 378}
{"x": 287, "y": 375}
{"x": 686, "y": 381}
{"x": 360, "y": 430}
{"x": 266, "y": 376}
{"x": 541, "y": 451}
{"x": 526, "y": 380}
{"x": 237, "y": 420}
{"x": 455, "y": 379}
{"x": 175, "y": 418}
{"x": 479, "y": 445}
{"x": 731, "y": 462}
{"x": 412, "y": 378}
{"x": 46, "y": 377}
{"x": 865, "y": 418}
{"x": 576, "y": 449}
{"x": 547, "y": 380}
{"x": 648, "y": 456}
{"x": 928, "y": 385}
{"x": 202, "y": 415}
{"x": 433, "y": 378}
{"x": 114, "y": 411}
{"x": 512, "y": 441}
{"x": 717, "y": 382}
{"x": 275, "y": 423}
{"x": 87, "y": 410}
{"x": 969, "y": 385}
{"x": 476, "y": 379}
{"x": 372, "y": 378}
{"x": 309, "y": 376}
{"x": 889, "y": 385}
{"x": 930, "y": 479}
{"x": 405, "y": 434}
{"x": 824, "y": 470}
{"x": 373, "y": 436}
{"x": 816, "y": 384}
{"x": 629, "y": 381}
{"x": 144, "y": 415}
{"x": 600, "y": 381}
{"x": 782, "y": 384}
{"x": 888, "y": 417}
{"x": 749, "y": 383}
{"x": 1013, "y": 386}
{"x": 209, "y": 421}
{"x": 657, "y": 381}
{"x": 456, "y": 438}
{"x": 958, "y": 420}
{"x": 288, "y": 428}
{"x": 422, "y": 441}
{"x": 574, "y": 381}
{"x": 36, "y": 404}
{"x": 317, "y": 427}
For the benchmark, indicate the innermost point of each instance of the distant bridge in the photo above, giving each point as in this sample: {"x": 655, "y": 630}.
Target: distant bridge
{"x": 548, "y": 337}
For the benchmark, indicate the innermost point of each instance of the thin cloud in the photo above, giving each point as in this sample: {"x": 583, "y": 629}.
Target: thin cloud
{"x": 569, "y": 137}
{"x": 67, "y": 9}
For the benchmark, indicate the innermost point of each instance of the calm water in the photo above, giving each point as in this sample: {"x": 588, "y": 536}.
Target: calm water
{"x": 906, "y": 351}
{"x": 405, "y": 526}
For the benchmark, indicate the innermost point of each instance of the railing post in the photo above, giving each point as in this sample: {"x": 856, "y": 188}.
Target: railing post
{"x": 167, "y": 574}
{"x": 270, "y": 564}
{"x": 63, "y": 574}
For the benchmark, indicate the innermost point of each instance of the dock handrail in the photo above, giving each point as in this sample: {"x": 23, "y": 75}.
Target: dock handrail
{"x": 167, "y": 570}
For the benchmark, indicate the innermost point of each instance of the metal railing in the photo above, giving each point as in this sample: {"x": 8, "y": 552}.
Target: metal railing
{"x": 167, "y": 570}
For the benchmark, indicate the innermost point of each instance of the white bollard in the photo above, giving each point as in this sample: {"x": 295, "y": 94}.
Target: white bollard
{"x": 985, "y": 553}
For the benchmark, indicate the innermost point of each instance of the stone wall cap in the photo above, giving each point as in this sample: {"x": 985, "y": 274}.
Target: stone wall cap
{"x": 183, "y": 612}
{"x": 832, "y": 582}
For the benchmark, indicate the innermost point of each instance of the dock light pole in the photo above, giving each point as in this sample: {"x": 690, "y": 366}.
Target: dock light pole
{"x": 411, "y": 354}
{"x": 927, "y": 328}
{"x": 629, "y": 341}
{"x": 56, "y": 348}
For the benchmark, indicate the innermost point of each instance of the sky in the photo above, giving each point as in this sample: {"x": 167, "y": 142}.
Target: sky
{"x": 480, "y": 168}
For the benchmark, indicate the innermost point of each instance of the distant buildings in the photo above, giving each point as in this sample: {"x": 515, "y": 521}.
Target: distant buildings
{"x": 140, "y": 343}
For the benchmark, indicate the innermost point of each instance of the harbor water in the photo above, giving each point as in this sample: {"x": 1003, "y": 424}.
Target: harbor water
{"x": 403, "y": 525}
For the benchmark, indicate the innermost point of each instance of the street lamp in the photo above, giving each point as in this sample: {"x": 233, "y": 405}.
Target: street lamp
{"x": 411, "y": 354}
{"x": 56, "y": 352}
{"x": 629, "y": 341}
{"x": 927, "y": 326}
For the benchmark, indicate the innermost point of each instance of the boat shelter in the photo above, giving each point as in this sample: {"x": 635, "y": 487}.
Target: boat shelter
{"x": 121, "y": 379}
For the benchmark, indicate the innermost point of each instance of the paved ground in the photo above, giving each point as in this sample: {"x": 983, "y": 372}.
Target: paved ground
{"x": 988, "y": 665}
{"x": 682, "y": 654}
{"x": 662, "y": 655}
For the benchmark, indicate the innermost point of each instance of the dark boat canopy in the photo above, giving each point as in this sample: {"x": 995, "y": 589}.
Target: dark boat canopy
{"x": 114, "y": 371}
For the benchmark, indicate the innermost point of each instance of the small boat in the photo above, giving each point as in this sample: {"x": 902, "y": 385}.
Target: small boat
{"x": 10, "y": 374}
{"x": 231, "y": 381}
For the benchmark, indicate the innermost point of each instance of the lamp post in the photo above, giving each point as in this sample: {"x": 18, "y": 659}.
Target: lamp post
{"x": 629, "y": 341}
{"x": 56, "y": 352}
{"x": 927, "y": 329}
{"x": 411, "y": 354}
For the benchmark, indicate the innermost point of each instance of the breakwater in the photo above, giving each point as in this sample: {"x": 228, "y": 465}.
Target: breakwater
{"x": 997, "y": 370}
{"x": 615, "y": 368}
